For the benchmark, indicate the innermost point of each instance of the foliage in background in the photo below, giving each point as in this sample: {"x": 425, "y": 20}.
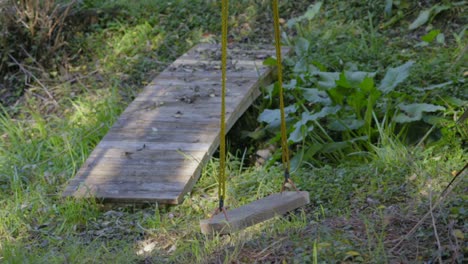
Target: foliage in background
{"x": 343, "y": 51}
{"x": 33, "y": 37}
{"x": 343, "y": 114}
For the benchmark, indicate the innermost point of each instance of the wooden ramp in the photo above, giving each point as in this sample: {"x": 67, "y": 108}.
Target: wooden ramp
{"x": 157, "y": 148}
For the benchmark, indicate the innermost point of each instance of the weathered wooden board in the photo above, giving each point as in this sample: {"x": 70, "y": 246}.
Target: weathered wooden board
{"x": 155, "y": 150}
{"x": 255, "y": 212}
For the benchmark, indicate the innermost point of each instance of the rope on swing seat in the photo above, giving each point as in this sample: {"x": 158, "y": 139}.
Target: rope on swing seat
{"x": 274, "y": 204}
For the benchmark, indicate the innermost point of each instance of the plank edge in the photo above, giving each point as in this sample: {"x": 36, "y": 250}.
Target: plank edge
{"x": 215, "y": 226}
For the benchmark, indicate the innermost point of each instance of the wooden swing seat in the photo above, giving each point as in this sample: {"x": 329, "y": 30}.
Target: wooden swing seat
{"x": 255, "y": 212}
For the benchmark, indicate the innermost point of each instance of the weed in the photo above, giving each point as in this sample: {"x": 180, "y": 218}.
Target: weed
{"x": 344, "y": 114}
{"x": 33, "y": 34}
{"x": 344, "y": 52}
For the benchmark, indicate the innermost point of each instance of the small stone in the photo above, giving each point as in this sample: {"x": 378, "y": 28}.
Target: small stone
{"x": 172, "y": 249}
{"x": 372, "y": 201}
{"x": 149, "y": 247}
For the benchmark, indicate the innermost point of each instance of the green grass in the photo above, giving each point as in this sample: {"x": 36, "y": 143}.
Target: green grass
{"x": 359, "y": 206}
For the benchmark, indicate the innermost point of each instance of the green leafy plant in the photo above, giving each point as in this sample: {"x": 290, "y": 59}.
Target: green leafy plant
{"x": 337, "y": 114}
{"x": 427, "y": 15}
{"x": 311, "y": 12}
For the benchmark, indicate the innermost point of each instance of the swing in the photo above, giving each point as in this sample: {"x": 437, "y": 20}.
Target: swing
{"x": 223, "y": 222}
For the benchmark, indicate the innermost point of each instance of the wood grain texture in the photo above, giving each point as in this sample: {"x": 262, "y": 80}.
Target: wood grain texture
{"x": 255, "y": 212}
{"x": 156, "y": 149}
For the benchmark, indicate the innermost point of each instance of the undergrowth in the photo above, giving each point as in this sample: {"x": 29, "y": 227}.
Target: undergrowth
{"x": 374, "y": 92}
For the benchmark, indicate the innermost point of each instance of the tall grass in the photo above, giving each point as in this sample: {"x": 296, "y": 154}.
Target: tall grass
{"x": 38, "y": 155}
{"x": 42, "y": 146}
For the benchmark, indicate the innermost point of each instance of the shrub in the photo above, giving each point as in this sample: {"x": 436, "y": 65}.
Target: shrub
{"x": 32, "y": 36}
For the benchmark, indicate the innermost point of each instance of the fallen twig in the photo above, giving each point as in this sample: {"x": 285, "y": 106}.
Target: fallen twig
{"x": 439, "y": 246}
{"x": 30, "y": 74}
{"x": 444, "y": 195}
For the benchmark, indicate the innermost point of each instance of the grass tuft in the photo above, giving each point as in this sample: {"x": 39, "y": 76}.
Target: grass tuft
{"x": 366, "y": 193}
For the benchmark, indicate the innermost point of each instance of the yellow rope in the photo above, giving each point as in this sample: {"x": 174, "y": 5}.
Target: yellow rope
{"x": 284, "y": 140}
{"x": 222, "y": 136}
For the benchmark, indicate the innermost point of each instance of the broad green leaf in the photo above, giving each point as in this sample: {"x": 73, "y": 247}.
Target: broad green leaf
{"x": 255, "y": 135}
{"x": 346, "y": 124}
{"x": 301, "y": 65}
{"x": 301, "y": 128}
{"x": 296, "y": 160}
{"x": 439, "y": 8}
{"x": 304, "y": 154}
{"x": 388, "y": 8}
{"x": 429, "y": 37}
{"x": 350, "y": 66}
{"x": 343, "y": 81}
{"x": 414, "y": 112}
{"x": 436, "y": 120}
{"x": 337, "y": 95}
{"x": 313, "y": 95}
{"x": 270, "y": 61}
{"x": 395, "y": 76}
{"x": 455, "y": 101}
{"x": 290, "y": 85}
{"x": 421, "y": 44}
{"x": 440, "y": 38}
{"x": 361, "y": 138}
{"x": 425, "y": 15}
{"x": 414, "y": 108}
{"x": 421, "y": 19}
{"x": 357, "y": 77}
{"x": 293, "y": 21}
{"x": 327, "y": 110}
{"x": 367, "y": 85}
{"x": 312, "y": 150}
{"x": 334, "y": 146}
{"x": 372, "y": 98}
{"x": 311, "y": 12}
{"x": 327, "y": 80}
{"x": 358, "y": 101}
{"x": 463, "y": 117}
{"x": 271, "y": 115}
{"x": 432, "y": 87}
{"x": 318, "y": 66}
{"x": 302, "y": 46}
{"x": 298, "y": 133}
{"x": 272, "y": 90}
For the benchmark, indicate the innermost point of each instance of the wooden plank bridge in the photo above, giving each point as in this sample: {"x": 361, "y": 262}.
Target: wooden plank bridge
{"x": 156, "y": 149}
